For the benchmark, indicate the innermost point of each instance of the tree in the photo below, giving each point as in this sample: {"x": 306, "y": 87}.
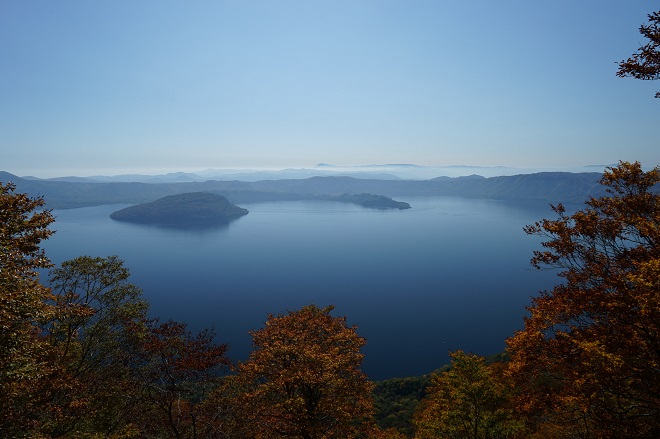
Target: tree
{"x": 303, "y": 377}
{"x": 178, "y": 369}
{"x": 226, "y": 412}
{"x": 81, "y": 359}
{"x": 645, "y": 64}
{"x": 588, "y": 359}
{"x": 397, "y": 399}
{"x": 115, "y": 370}
{"x": 92, "y": 345}
{"x": 23, "y": 225}
{"x": 468, "y": 401}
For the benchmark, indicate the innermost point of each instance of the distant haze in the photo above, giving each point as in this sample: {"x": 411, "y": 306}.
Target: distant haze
{"x": 150, "y": 87}
{"x": 383, "y": 172}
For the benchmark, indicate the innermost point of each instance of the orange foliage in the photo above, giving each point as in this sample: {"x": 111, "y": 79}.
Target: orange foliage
{"x": 589, "y": 355}
{"x": 23, "y": 225}
{"x": 303, "y": 378}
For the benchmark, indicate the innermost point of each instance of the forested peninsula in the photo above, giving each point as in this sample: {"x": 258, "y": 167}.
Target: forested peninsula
{"x": 182, "y": 209}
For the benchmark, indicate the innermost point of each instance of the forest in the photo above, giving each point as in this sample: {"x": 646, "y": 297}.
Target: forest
{"x": 80, "y": 357}
{"x": 549, "y": 187}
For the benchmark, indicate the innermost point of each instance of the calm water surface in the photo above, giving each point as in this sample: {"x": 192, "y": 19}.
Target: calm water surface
{"x": 449, "y": 273}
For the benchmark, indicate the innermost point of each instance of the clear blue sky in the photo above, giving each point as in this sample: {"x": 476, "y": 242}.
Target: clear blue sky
{"x": 108, "y": 87}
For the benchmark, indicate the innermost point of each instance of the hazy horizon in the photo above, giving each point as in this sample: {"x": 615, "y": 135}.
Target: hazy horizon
{"x": 401, "y": 170}
{"x": 108, "y": 88}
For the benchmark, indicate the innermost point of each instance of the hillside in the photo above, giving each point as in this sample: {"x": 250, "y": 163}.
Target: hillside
{"x": 182, "y": 209}
{"x": 551, "y": 187}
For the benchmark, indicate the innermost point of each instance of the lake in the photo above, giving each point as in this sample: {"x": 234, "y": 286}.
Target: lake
{"x": 449, "y": 273}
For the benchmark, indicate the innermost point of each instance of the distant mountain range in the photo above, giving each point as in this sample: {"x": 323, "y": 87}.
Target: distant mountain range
{"x": 371, "y": 172}
{"x": 551, "y": 187}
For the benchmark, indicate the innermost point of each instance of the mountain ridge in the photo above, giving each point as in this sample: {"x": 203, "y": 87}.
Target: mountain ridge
{"x": 550, "y": 187}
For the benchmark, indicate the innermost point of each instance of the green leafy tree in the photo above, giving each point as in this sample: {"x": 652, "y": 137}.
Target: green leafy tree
{"x": 23, "y": 225}
{"x": 97, "y": 305}
{"x": 587, "y": 362}
{"x": 397, "y": 399}
{"x": 303, "y": 378}
{"x": 468, "y": 401}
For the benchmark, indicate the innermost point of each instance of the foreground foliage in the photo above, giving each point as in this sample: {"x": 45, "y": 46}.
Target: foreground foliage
{"x": 588, "y": 360}
{"x": 178, "y": 369}
{"x": 23, "y": 225}
{"x": 303, "y": 378}
{"x": 90, "y": 345}
{"x": 397, "y": 399}
{"x": 471, "y": 400}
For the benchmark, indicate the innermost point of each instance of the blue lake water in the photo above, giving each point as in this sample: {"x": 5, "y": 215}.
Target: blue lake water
{"x": 450, "y": 273}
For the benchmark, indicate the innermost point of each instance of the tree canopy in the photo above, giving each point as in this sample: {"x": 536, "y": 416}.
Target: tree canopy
{"x": 588, "y": 358}
{"x": 23, "y": 225}
{"x": 79, "y": 357}
{"x": 645, "y": 63}
{"x": 468, "y": 401}
{"x": 303, "y": 378}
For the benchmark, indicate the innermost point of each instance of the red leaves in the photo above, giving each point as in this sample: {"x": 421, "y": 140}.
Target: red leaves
{"x": 182, "y": 355}
{"x": 178, "y": 368}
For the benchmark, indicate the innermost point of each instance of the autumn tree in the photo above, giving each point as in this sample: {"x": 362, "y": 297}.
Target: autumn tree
{"x": 645, "y": 64}
{"x": 23, "y": 225}
{"x": 81, "y": 358}
{"x": 226, "y": 412}
{"x": 469, "y": 401}
{"x": 178, "y": 371}
{"x": 587, "y": 362}
{"x": 92, "y": 345}
{"x": 303, "y": 378}
{"x": 114, "y": 369}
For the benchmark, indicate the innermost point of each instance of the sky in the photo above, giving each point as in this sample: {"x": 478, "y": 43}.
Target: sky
{"x": 151, "y": 86}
